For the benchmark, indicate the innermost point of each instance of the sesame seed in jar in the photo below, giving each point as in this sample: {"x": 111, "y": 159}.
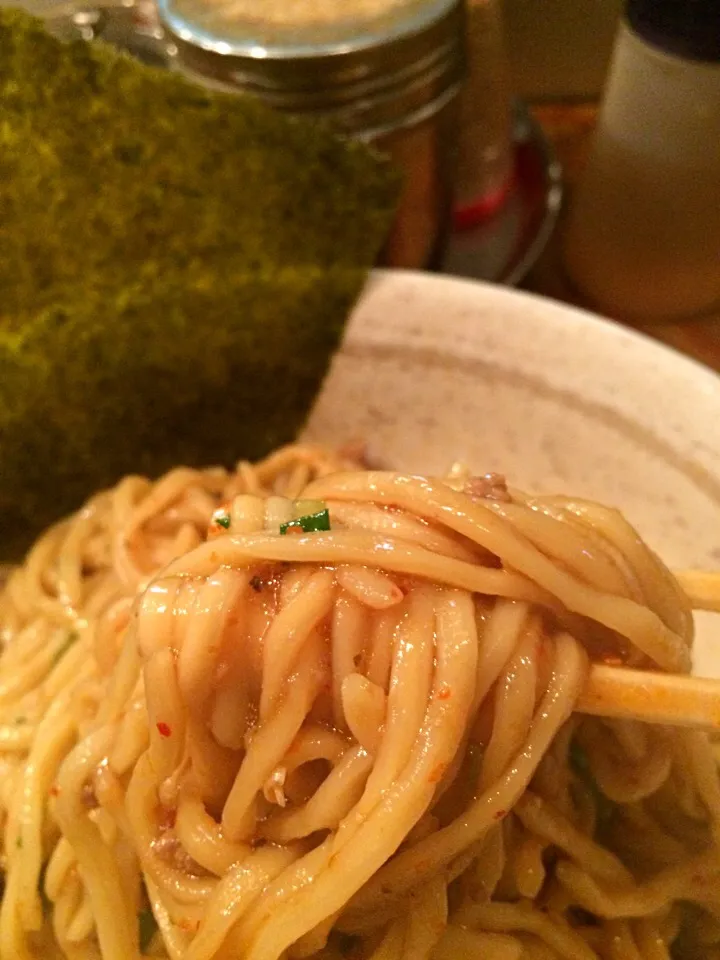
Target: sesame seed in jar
{"x": 303, "y": 13}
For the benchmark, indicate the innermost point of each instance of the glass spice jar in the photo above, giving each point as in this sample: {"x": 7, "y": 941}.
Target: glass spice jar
{"x": 386, "y": 71}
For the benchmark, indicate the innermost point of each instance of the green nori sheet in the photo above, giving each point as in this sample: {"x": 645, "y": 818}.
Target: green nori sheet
{"x": 176, "y": 267}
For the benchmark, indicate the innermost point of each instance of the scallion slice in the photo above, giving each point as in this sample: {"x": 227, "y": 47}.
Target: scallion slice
{"x": 308, "y": 523}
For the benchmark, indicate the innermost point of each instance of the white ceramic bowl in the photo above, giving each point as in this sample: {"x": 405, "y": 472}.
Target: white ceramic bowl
{"x": 434, "y": 369}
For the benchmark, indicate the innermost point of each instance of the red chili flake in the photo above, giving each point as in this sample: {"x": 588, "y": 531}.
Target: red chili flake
{"x": 54, "y": 790}
{"x": 294, "y": 531}
{"x": 500, "y": 814}
{"x": 164, "y": 729}
{"x": 444, "y": 693}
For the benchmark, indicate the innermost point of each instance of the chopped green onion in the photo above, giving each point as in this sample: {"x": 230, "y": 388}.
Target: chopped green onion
{"x": 223, "y": 520}
{"x": 310, "y": 523}
{"x": 72, "y": 638}
{"x": 147, "y": 926}
{"x": 19, "y": 721}
{"x": 19, "y": 843}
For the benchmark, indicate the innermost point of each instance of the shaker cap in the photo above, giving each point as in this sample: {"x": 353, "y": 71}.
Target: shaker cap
{"x": 358, "y": 62}
{"x": 296, "y": 29}
{"x": 687, "y": 28}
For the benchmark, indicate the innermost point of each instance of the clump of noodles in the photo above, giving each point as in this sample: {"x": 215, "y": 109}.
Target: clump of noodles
{"x": 305, "y": 708}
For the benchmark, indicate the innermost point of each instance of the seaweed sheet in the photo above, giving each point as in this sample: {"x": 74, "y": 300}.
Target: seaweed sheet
{"x": 176, "y": 267}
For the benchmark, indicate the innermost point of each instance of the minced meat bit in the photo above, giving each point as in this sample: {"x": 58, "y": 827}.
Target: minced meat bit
{"x": 492, "y": 486}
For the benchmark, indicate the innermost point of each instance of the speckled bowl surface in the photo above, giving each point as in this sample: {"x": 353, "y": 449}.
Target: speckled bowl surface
{"x": 435, "y": 369}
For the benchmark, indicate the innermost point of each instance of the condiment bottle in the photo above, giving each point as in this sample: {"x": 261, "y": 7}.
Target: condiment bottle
{"x": 485, "y": 163}
{"x": 386, "y": 71}
{"x": 643, "y": 236}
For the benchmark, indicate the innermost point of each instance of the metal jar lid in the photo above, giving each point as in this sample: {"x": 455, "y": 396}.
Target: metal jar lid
{"x": 368, "y": 73}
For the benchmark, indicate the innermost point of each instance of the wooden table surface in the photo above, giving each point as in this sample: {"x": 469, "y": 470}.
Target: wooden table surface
{"x": 569, "y": 127}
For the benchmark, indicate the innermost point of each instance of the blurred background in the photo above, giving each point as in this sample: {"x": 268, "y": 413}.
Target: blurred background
{"x": 560, "y": 49}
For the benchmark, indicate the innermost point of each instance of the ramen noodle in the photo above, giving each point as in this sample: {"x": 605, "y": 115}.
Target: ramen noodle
{"x": 305, "y": 709}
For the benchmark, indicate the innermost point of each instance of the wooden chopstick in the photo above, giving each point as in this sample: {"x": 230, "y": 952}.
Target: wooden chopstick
{"x": 702, "y": 588}
{"x": 664, "y": 698}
